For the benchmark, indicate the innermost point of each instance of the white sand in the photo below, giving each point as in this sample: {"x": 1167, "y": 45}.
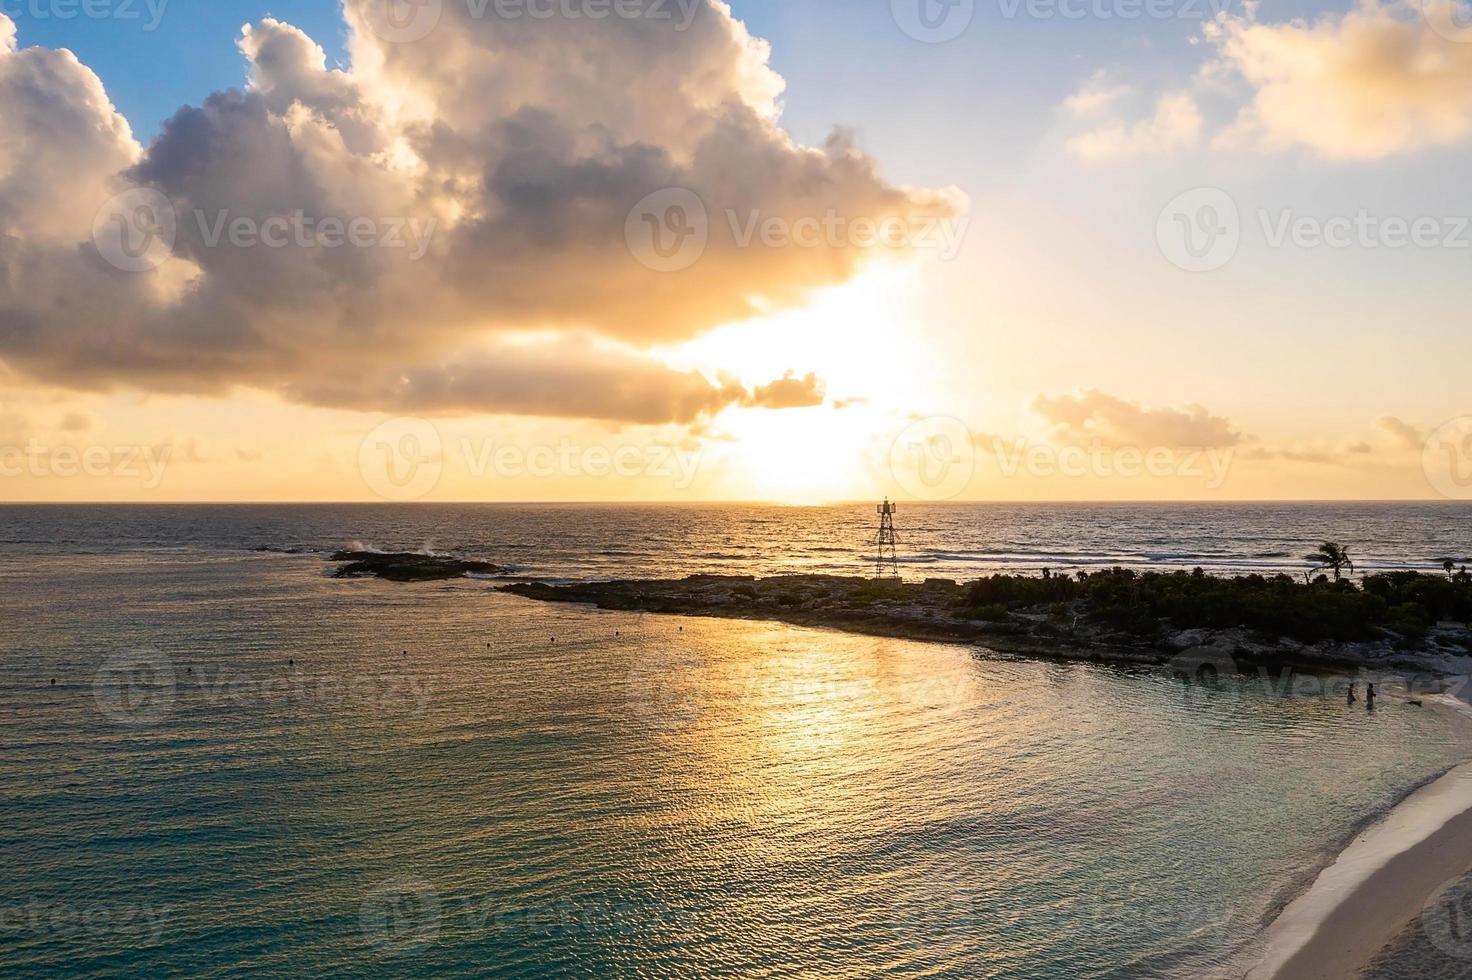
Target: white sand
{"x": 1376, "y": 887}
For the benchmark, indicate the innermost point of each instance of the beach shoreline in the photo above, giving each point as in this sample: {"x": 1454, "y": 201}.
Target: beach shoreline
{"x": 1358, "y": 904}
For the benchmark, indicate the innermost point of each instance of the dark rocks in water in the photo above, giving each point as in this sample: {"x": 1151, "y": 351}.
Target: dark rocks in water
{"x": 408, "y": 567}
{"x": 267, "y": 549}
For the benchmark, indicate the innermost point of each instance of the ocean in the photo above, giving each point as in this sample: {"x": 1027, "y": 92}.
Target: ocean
{"x": 553, "y": 541}
{"x": 244, "y": 764}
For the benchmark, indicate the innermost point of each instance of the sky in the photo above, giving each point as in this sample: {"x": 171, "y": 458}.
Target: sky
{"x": 805, "y": 252}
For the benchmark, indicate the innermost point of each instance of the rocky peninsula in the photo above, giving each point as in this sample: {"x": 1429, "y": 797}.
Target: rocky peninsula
{"x": 1403, "y": 621}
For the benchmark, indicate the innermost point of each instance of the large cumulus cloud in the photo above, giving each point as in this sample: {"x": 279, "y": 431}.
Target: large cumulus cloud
{"x": 496, "y": 161}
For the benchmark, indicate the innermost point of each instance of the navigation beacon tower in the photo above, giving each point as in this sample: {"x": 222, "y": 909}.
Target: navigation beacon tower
{"x": 887, "y": 556}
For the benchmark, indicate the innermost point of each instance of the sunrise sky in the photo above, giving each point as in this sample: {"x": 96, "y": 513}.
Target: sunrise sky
{"x": 1042, "y": 249}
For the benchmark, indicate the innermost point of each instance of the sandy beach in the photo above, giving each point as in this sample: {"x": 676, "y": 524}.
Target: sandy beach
{"x": 1376, "y": 887}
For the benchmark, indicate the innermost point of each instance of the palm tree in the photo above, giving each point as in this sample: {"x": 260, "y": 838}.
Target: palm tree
{"x": 1333, "y": 557}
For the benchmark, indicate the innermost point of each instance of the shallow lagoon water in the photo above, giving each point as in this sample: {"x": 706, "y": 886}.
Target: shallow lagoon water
{"x": 246, "y": 764}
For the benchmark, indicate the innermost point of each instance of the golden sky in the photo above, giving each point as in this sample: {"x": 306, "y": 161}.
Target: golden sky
{"x": 451, "y": 263}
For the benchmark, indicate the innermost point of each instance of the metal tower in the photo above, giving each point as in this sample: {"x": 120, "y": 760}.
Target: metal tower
{"x": 887, "y": 554}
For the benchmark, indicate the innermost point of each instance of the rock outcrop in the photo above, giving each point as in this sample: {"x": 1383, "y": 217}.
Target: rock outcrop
{"x": 409, "y": 567}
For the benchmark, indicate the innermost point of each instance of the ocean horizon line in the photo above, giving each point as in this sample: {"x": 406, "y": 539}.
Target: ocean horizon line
{"x": 1279, "y": 501}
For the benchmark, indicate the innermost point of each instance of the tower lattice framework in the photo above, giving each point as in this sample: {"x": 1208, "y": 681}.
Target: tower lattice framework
{"x": 886, "y": 560}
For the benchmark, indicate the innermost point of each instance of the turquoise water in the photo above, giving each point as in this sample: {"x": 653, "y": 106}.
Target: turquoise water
{"x": 245, "y": 765}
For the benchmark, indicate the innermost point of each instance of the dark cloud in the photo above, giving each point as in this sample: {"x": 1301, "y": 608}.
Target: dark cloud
{"x": 561, "y": 379}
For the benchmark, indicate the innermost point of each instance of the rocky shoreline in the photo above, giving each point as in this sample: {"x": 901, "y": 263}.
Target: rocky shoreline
{"x": 939, "y": 609}
{"x": 1108, "y": 617}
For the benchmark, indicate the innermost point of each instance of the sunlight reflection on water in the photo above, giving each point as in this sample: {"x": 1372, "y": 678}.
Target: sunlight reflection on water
{"x": 354, "y": 776}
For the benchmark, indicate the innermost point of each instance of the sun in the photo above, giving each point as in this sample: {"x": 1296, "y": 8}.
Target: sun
{"x": 849, "y": 336}
{"x": 799, "y": 456}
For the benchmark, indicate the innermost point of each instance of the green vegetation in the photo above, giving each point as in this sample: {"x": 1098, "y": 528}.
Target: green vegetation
{"x": 1408, "y": 603}
{"x": 1114, "y": 614}
{"x": 878, "y": 590}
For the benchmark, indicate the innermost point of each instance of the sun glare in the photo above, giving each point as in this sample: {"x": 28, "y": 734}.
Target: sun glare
{"x": 801, "y": 457}
{"x": 844, "y": 333}
{"x": 815, "y": 455}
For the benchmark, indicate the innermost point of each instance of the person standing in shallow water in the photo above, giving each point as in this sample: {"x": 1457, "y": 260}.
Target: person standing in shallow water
{"x": 1369, "y": 696}
{"x": 1351, "y": 697}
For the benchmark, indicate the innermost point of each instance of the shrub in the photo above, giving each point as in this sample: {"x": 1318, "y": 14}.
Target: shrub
{"x": 1017, "y": 591}
{"x": 1410, "y": 620}
{"x": 876, "y": 590}
{"x": 1280, "y": 605}
{"x": 994, "y": 613}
